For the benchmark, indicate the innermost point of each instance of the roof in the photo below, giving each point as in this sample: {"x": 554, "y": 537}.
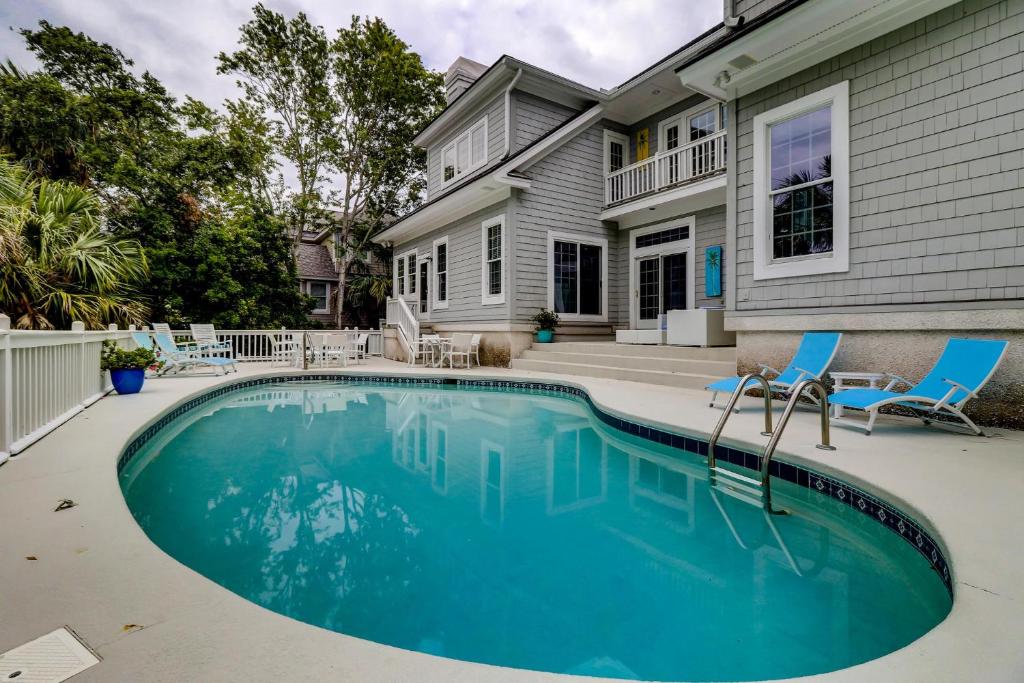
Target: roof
{"x": 314, "y": 262}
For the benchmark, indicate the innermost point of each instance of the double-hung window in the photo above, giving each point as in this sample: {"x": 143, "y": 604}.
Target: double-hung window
{"x": 441, "y": 273}
{"x": 492, "y": 238}
{"x": 801, "y": 186}
{"x": 320, "y": 291}
{"x": 578, "y": 269}
{"x": 400, "y": 275}
{"x": 465, "y": 153}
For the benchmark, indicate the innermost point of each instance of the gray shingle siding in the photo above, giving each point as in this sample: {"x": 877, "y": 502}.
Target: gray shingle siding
{"x": 494, "y": 109}
{"x": 709, "y": 231}
{"x": 464, "y": 268}
{"x": 533, "y": 117}
{"x": 566, "y": 195}
{"x": 936, "y": 151}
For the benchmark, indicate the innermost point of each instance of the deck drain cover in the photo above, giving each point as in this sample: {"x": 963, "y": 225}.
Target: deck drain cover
{"x": 52, "y": 658}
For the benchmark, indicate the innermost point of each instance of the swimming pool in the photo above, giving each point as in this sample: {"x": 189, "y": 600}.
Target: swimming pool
{"x": 518, "y": 529}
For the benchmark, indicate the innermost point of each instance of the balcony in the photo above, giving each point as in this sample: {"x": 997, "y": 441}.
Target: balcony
{"x": 689, "y": 163}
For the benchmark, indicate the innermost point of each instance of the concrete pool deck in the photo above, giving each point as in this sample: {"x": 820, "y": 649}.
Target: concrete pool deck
{"x": 152, "y": 619}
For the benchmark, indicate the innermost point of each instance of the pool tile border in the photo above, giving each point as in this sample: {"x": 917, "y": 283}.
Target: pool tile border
{"x": 868, "y": 505}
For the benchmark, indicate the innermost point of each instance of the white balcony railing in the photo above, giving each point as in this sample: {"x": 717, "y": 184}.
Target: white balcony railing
{"x": 683, "y": 164}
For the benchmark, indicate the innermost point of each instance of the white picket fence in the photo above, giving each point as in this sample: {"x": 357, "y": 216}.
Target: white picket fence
{"x": 46, "y": 378}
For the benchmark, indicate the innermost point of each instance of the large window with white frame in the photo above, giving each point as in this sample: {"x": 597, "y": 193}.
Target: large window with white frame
{"x": 441, "y": 273}
{"x": 801, "y": 186}
{"x": 405, "y": 273}
{"x": 492, "y": 241}
{"x": 465, "y": 153}
{"x": 577, "y": 273}
{"x": 320, "y": 290}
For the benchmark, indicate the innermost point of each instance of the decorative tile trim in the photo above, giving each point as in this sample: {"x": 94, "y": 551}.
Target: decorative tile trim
{"x": 868, "y": 505}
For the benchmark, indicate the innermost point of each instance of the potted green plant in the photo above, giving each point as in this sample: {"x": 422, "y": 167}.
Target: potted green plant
{"x": 127, "y": 368}
{"x": 546, "y": 322}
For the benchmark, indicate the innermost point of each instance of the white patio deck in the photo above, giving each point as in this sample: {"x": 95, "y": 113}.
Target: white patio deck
{"x": 152, "y": 619}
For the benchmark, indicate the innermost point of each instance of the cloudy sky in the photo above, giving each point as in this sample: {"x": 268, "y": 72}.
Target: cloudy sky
{"x": 597, "y": 42}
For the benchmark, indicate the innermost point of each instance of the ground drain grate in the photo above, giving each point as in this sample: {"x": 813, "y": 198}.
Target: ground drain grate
{"x": 52, "y": 658}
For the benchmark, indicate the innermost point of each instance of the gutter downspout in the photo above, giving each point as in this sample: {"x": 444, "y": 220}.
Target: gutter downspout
{"x": 728, "y": 19}
{"x": 508, "y": 113}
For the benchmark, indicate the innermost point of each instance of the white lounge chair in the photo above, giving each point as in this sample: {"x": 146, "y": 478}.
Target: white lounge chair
{"x": 357, "y": 347}
{"x": 178, "y": 360}
{"x": 207, "y": 341}
{"x": 964, "y": 367}
{"x": 815, "y": 354}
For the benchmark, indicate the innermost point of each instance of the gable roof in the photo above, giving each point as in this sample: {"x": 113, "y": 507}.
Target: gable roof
{"x": 313, "y": 262}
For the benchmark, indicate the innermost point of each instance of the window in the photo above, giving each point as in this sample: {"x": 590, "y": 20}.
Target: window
{"x": 577, "y": 470}
{"x": 320, "y": 291}
{"x": 492, "y": 482}
{"x": 405, "y": 273}
{"x": 493, "y": 247}
{"x": 801, "y": 186}
{"x": 616, "y": 151}
{"x": 441, "y": 273}
{"x": 465, "y": 153}
{"x": 651, "y": 239}
{"x": 578, "y": 269}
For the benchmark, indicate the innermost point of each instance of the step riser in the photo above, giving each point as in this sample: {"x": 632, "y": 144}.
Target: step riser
{"x": 675, "y": 352}
{"x": 664, "y": 379}
{"x": 696, "y": 367}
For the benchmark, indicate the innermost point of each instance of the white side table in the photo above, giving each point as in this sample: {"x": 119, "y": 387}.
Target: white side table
{"x": 840, "y": 380}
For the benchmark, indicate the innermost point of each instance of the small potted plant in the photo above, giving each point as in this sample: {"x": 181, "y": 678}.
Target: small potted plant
{"x": 546, "y": 322}
{"x": 127, "y": 368}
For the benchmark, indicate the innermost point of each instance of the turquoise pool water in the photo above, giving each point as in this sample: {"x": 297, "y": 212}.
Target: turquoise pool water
{"x": 517, "y": 529}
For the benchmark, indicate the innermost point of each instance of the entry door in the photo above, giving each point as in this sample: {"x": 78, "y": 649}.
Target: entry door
{"x": 660, "y": 287}
{"x": 424, "y": 288}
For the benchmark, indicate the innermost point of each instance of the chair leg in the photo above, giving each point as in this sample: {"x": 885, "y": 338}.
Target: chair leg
{"x": 714, "y": 395}
{"x": 872, "y": 416}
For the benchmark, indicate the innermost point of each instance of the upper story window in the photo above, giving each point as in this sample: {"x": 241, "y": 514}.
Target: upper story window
{"x": 465, "y": 153}
{"x": 801, "y": 186}
{"x": 616, "y": 151}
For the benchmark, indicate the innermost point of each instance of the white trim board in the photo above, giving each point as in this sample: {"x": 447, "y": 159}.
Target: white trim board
{"x": 486, "y": 298}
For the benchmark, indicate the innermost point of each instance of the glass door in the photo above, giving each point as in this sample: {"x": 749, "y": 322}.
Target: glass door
{"x": 648, "y": 289}
{"x": 701, "y": 126}
{"x": 424, "y": 282}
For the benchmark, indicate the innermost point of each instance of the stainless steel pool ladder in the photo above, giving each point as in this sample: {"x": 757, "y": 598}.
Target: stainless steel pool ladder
{"x": 746, "y": 488}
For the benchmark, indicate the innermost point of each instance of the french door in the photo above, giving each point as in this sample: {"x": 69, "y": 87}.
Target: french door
{"x": 424, "y": 287}
{"x": 660, "y": 286}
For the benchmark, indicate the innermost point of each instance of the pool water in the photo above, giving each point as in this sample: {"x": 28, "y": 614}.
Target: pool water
{"x": 517, "y": 529}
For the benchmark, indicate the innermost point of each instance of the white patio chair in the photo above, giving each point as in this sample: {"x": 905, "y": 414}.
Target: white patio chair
{"x": 329, "y": 347}
{"x": 461, "y": 348}
{"x": 425, "y": 346}
{"x": 284, "y": 348}
{"x": 357, "y": 347}
{"x": 206, "y": 339}
{"x": 474, "y": 348}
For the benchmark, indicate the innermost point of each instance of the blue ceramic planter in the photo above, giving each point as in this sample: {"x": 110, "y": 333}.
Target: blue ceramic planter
{"x": 128, "y": 380}
{"x": 545, "y": 336}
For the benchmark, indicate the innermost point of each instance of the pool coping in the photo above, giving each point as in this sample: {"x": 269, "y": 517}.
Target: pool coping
{"x": 236, "y": 635}
{"x": 870, "y": 505}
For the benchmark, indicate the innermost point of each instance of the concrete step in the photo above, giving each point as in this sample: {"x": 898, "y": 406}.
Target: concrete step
{"x": 696, "y": 366}
{"x": 672, "y": 379}
{"x": 722, "y": 353}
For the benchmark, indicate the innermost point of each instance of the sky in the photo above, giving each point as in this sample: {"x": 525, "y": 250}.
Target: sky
{"x": 599, "y": 43}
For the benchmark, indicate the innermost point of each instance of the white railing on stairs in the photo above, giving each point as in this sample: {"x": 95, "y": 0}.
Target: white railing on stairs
{"x": 691, "y": 161}
{"x": 399, "y": 315}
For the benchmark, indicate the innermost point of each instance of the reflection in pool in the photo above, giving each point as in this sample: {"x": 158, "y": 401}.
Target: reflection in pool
{"x": 516, "y": 529}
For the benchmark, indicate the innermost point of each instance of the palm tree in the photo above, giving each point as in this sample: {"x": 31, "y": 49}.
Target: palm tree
{"x": 57, "y": 262}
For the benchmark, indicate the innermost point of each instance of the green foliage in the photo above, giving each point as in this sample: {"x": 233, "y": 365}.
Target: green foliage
{"x": 545, "y": 319}
{"x": 57, "y": 264}
{"x": 116, "y": 358}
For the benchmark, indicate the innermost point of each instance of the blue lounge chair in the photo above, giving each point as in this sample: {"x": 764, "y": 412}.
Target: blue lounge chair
{"x": 177, "y": 359}
{"x": 817, "y": 349}
{"x": 961, "y": 371}
{"x": 143, "y": 340}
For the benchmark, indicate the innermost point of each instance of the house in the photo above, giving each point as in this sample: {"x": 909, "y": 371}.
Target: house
{"x": 843, "y": 165}
{"x": 318, "y": 274}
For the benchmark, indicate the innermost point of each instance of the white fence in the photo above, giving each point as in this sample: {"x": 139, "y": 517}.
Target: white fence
{"x": 666, "y": 169}
{"x": 46, "y": 378}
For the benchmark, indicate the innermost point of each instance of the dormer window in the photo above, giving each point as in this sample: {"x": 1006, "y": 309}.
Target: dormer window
{"x": 465, "y": 153}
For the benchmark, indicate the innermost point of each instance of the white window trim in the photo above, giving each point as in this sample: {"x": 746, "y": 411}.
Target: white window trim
{"x": 682, "y": 118}
{"x": 581, "y": 239}
{"x": 486, "y": 298}
{"x": 688, "y": 245}
{"x": 438, "y": 304}
{"x": 485, "y": 447}
{"x": 578, "y": 503}
{"x": 612, "y": 136}
{"x": 307, "y": 289}
{"x": 453, "y": 145}
{"x": 404, "y": 257}
{"x": 838, "y": 96}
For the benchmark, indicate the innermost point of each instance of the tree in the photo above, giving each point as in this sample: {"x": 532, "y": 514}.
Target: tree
{"x": 57, "y": 264}
{"x": 283, "y": 69}
{"x": 385, "y": 96}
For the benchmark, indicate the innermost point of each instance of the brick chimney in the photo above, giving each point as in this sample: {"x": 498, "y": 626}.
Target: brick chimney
{"x": 461, "y": 74}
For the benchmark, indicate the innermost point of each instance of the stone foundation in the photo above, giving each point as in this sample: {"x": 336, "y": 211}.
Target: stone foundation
{"x": 909, "y": 354}
{"x": 497, "y": 349}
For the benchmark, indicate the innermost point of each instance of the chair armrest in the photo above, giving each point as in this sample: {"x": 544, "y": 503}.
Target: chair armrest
{"x": 970, "y": 393}
{"x": 894, "y": 380}
{"x": 768, "y": 367}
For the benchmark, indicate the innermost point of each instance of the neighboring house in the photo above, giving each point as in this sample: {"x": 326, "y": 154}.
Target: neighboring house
{"x": 857, "y": 162}
{"x": 318, "y": 274}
